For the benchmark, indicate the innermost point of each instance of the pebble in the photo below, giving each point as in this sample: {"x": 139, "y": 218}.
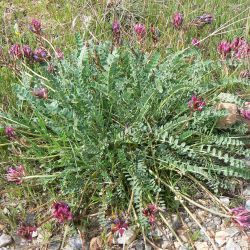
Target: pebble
{"x": 246, "y": 191}
{"x": 201, "y": 245}
{"x": 224, "y": 200}
{"x": 127, "y": 237}
{"x": 220, "y": 238}
{"x": 232, "y": 231}
{"x": 5, "y": 240}
{"x": 247, "y": 206}
{"x": 175, "y": 222}
{"x": 231, "y": 245}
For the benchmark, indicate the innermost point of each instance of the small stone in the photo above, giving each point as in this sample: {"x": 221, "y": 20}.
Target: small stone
{"x": 246, "y": 191}
{"x": 220, "y": 238}
{"x": 247, "y": 206}
{"x": 231, "y": 245}
{"x": 54, "y": 245}
{"x": 225, "y": 200}
{"x": 175, "y": 222}
{"x": 201, "y": 245}
{"x": 232, "y": 231}
{"x": 128, "y": 237}
{"x": 95, "y": 244}
{"x": 75, "y": 242}
{"x": 217, "y": 221}
{"x": 165, "y": 244}
{"x": 5, "y": 240}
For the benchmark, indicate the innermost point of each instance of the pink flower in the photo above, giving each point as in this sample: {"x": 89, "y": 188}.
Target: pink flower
{"x": 41, "y": 93}
{"x": 116, "y": 27}
{"x": 240, "y": 47}
{"x": 26, "y": 231}
{"x": 15, "y": 174}
{"x": 241, "y": 216}
{"x": 61, "y": 211}
{"x": 15, "y": 51}
{"x": 177, "y": 20}
{"x": 10, "y": 133}
{"x": 224, "y": 48}
{"x": 59, "y": 54}
{"x": 245, "y": 114}
{"x": 27, "y": 51}
{"x": 36, "y": 26}
{"x": 150, "y": 212}
{"x": 119, "y": 225}
{"x": 196, "y": 42}
{"x": 196, "y": 103}
{"x": 140, "y": 30}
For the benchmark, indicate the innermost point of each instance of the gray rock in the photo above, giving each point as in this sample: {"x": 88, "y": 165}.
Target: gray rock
{"x": 140, "y": 245}
{"x": 5, "y": 240}
{"x": 232, "y": 231}
{"x": 217, "y": 221}
{"x": 54, "y": 245}
{"x": 220, "y": 238}
{"x": 246, "y": 192}
{"x": 231, "y": 245}
{"x": 247, "y": 206}
{"x": 74, "y": 243}
{"x": 224, "y": 200}
{"x": 175, "y": 222}
{"x": 127, "y": 237}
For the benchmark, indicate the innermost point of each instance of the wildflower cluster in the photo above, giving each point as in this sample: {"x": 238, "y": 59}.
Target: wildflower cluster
{"x": 239, "y": 48}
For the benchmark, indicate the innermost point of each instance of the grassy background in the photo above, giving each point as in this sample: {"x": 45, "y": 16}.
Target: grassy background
{"x": 61, "y": 19}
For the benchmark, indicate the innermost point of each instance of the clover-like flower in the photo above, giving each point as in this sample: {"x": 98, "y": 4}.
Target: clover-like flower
{"x": 116, "y": 27}
{"x": 241, "y": 216}
{"x": 27, "y": 51}
{"x": 195, "y": 42}
{"x": 245, "y": 114}
{"x": 196, "y": 103}
{"x": 26, "y": 231}
{"x": 40, "y": 55}
{"x": 120, "y": 225}
{"x": 36, "y": 26}
{"x": 140, "y": 30}
{"x": 16, "y": 51}
{"x": 240, "y": 47}
{"x": 15, "y": 174}
{"x": 177, "y": 20}
{"x": 61, "y": 211}
{"x": 150, "y": 212}
{"x": 224, "y": 48}
{"x": 41, "y": 93}
{"x": 10, "y": 132}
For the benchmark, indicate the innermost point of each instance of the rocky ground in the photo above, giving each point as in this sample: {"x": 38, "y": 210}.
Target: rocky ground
{"x": 224, "y": 234}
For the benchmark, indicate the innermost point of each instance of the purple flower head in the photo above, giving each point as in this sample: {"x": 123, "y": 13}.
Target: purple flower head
{"x": 206, "y": 18}
{"x": 26, "y": 231}
{"x": 196, "y": 103}
{"x": 15, "y": 174}
{"x": 120, "y": 225}
{"x": 41, "y": 93}
{"x": 150, "y": 212}
{"x": 40, "y": 55}
{"x": 224, "y": 48}
{"x": 196, "y": 42}
{"x": 16, "y": 51}
{"x": 140, "y": 30}
{"x": 10, "y": 133}
{"x": 241, "y": 48}
{"x": 59, "y": 54}
{"x": 177, "y": 20}
{"x": 241, "y": 216}
{"x": 245, "y": 114}
{"x": 36, "y": 26}
{"x": 27, "y": 52}
{"x": 116, "y": 27}
{"x": 61, "y": 211}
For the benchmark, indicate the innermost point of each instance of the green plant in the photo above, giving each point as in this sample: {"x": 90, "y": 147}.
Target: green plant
{"x": 116, "y": 131}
